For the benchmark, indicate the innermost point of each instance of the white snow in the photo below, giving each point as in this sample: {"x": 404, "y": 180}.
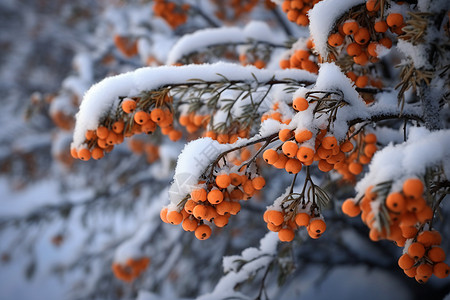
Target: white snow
{"x": 322, "y": 19}
{"x": 99, "y": 99}
{"x": 410, "y": 159}
{"x": 193, "y": 160}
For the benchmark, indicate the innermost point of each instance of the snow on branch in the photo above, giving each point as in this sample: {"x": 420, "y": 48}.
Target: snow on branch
{"x": 422, "y": 150}
{"x": 255, "y": 32}
{"x": 323, "y": 18}
{"x": 102, "y": 97}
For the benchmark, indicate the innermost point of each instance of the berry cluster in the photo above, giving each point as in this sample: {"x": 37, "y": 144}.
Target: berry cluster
{"x": 424, "y": 257}
{"x": 302, "y": 59}
{"x": 214, "y": 203}
{"x": 132, "y": 268}
{"x": 140, "y": 147}
{"x": 297, "y": 10}
{"x": 297, "y": 149}
{"x": 174, "y": 14}
{"x": 286, "y": 221}
{"x": 358, "y": 156}
{"x": 134, "y": 116}
{"x": 275, "y": 114}
{"x": 364, "y": 33}
{"x": 252, "y": 59}
{"x": 126, "y": 46}
{"x": 408, "y": 213}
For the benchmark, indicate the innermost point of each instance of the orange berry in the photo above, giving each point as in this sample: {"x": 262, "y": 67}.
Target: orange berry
{"x": 355, "y": 168}
{"x": 200, "y": 211}
{"x": 223, "y": 181}
{"x": 84, "y": 154}
{"x": 425, "y": 214}
{"x": 424, "y": 271}
{"x": 157, "y": 115}
{"x": 329, "y": 142}
{"x": 258, "y": 182}
{"x": 302, "y": 20}
{"x": 118, "y": 126}
{"x": 305, "y": 154}
{"x": 441, "y": 270}
{"x": 286, "y": 235}
{"x": 74, "y": 153}
{"x": 317, "y": 226}
{"x": 302, "y": 219}
{"x": 416, "y": 205}
{"x": 273, "y": 228}
{"x": 362, "y": 36}
{"x": 270, "y": 156}
{"x": 354, "y": 49}
{"x": 380, "y": 26}
{"x": 302, "y": 55}
{"x": 141, "y": 117}
{"x": 175, "y": 135}
{"x": 284, "y": 64}
{"x": 203, "y": 232}
{"x": 408, "y": 219}
{"x": 346, "y": 146}
{"x": 90, "y": 135}
{"x": 436, "y": 254}
{"x": 128, "y": 105}
{"x": 236, "y": 179}
{"x": 413, "y": 187}
{"x": 309, "y": 66}
{"x": 324, "y": 153}
{"x": 211, "y": 213}
{"x": 290, "y": 148}
{"x": 411, "y": 272}
{"x": 373, "y": 5}
{"x": 335, "y": 39}
{"x": 372, "y": 49}
{"x": 220, "y": 221}
{"x": 275, "y": 217}
{"x": 362, "y": 81}
{"x": 223, "y": 207}
{"x": 370, "y": 149}
{"x": 303, "y": 135}
{"x": 429, "y": 238}
{"x": 235, "y": 208}
{"x": 102, "y": 132}
{"x": 361, "y": 59}
{"x": 293, "y": 166}
{"x": 248, "y": 187}
{"x": 386, "y": 42}
{"x": 350, "y": 27}
{"x": 163, "y": 214}
{"x": 174, "y": 217}
{"x": 324, "y": 166}
{"x": 199, "y": 195}
{"x": 285, "y": 134}
{"x": 215, "y": 196}
{"x": 189, "y": 206}
{"x": 416, "y": 250}
{"x": 97, "y": 153}
{"x": 350, "y": 208}
{"x": 395, "y": 202}
{"x": 281, "y": 162}
{"x": 405, "y": 262}
{"x": 189, "y": 224}
{"x": 394, "y": 20}
{"x": 300, "y": 104}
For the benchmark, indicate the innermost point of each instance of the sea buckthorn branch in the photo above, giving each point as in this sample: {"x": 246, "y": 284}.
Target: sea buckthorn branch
{"x": 226, "y": 47}
{"x": 377, "y": 117}
{"x": 267, "y": 139}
